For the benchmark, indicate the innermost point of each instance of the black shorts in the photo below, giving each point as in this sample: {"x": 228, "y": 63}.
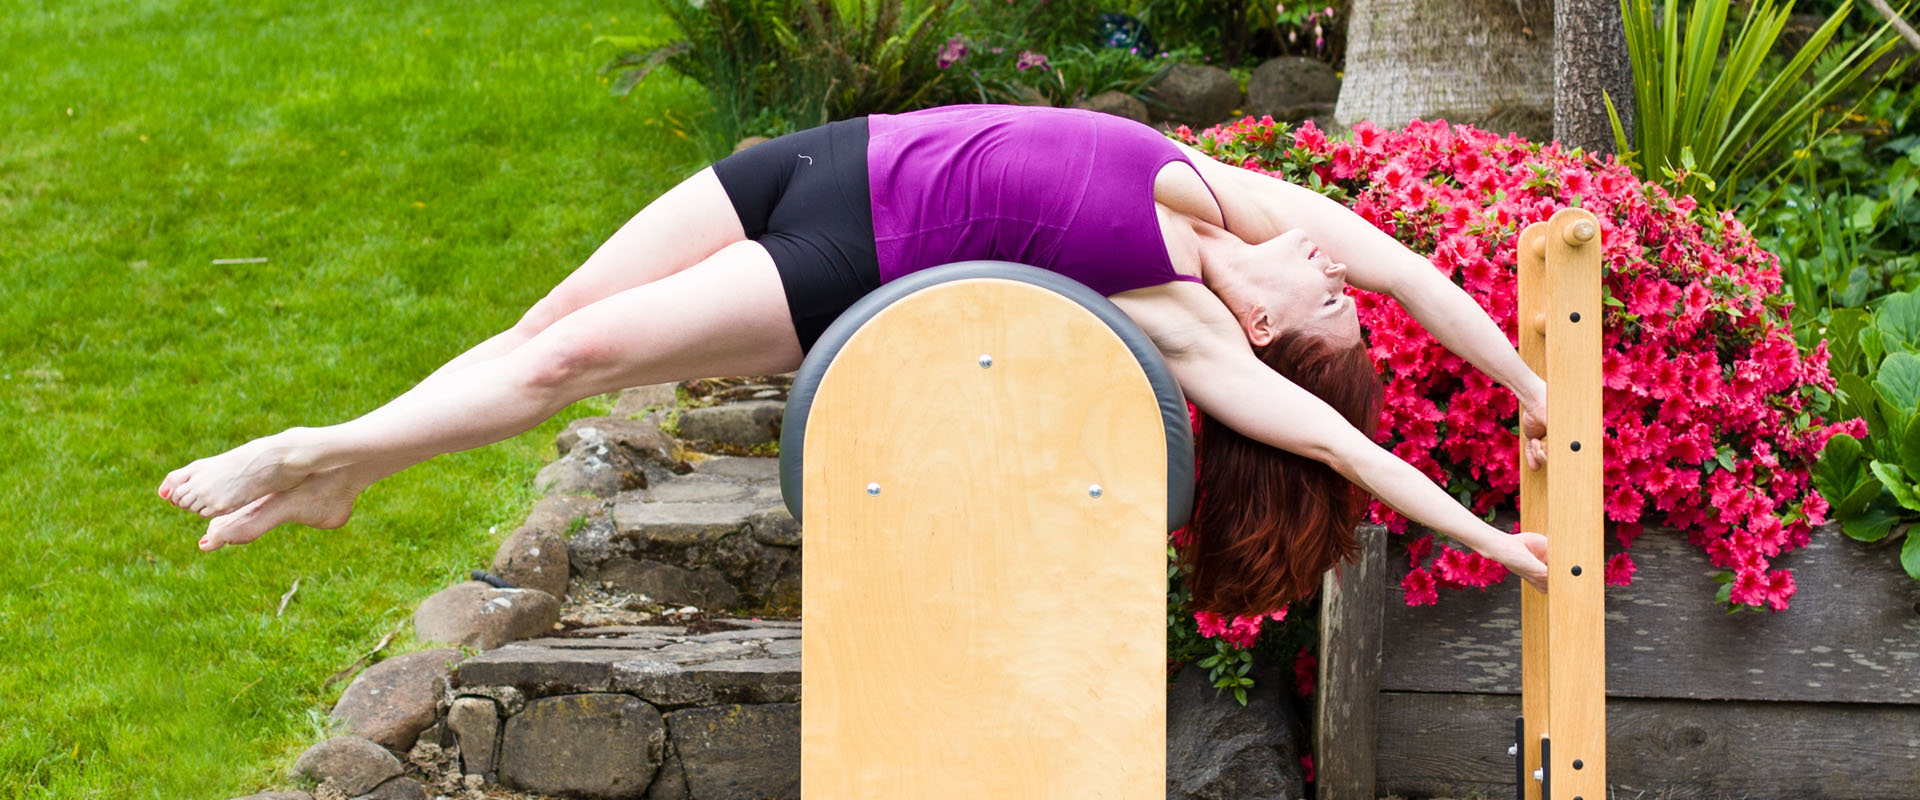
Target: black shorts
{"x": 804, "y": 197}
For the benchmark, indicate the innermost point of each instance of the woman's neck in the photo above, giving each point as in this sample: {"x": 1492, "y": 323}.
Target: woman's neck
{"x": 1218, "y": 254}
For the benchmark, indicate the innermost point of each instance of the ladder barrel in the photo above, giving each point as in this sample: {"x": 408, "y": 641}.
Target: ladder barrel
{"x": 987, "y": 459}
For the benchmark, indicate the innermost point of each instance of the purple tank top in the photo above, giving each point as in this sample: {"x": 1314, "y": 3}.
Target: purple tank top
{"x": 1065, "y": 190}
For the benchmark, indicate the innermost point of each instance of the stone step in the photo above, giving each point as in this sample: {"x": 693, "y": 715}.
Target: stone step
{"x": 659, "y": 713}
{"x": 633, "y": 712}
{"x": 717, "y": 538}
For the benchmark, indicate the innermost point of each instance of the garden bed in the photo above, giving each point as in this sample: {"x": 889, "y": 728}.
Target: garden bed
{"x": 1820, "y": 701}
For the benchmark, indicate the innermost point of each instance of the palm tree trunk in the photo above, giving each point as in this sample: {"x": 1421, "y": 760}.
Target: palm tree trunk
{"x": 1477, "y": 61}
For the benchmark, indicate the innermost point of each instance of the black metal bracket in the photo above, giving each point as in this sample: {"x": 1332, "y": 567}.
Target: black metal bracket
{"x": 1519, "y": 758}
{"x": 1546, "y": 770}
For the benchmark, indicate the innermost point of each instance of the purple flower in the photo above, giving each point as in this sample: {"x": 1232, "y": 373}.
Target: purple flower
{"x": 950, "y": 54}
{"x": 1030, "y": 59}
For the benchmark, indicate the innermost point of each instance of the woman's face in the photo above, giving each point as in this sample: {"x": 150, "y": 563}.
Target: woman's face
{"x": 1301, "y": 288}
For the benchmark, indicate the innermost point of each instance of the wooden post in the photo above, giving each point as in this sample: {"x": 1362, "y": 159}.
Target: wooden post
{"x": 1347, "y": 695}
{"x": 1563, "y": 647}
{"x": 984, "y": 581}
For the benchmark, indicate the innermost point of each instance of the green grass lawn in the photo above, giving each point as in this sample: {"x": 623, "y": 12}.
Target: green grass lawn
{"x": 415, "y": 175}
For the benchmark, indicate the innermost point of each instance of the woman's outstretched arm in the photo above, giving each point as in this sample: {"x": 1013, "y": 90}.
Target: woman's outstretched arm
{"x": 1220, "y": 374}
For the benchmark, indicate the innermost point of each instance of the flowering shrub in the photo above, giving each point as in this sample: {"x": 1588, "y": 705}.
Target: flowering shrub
{"x": 1712, "y": 412}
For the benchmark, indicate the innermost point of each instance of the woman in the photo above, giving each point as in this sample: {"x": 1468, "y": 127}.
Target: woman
{"x": 737, "y": 270}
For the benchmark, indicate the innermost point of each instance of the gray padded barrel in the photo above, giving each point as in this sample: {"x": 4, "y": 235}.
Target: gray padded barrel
{"x": 1173, "y": 404}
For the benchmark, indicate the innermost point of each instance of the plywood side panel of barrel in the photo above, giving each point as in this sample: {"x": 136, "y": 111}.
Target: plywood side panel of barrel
{"x": 1455, "y": 745}
{"x": 1852, "y": 634}
{"x": 984, "y": 626}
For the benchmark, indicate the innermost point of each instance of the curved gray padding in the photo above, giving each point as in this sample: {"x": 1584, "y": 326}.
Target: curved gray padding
{"x": 1173, "y": 404}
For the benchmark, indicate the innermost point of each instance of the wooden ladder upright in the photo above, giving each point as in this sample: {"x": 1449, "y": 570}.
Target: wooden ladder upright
{"x": 1561, "y": 734}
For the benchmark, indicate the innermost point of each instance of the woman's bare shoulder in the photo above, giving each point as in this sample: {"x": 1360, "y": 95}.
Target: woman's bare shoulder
{"x": 1179, "y": 316}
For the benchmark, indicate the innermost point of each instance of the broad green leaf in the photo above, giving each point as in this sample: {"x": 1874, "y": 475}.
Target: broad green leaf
{"x": 1910, "y": 556}
{"x": 1840, "y": 468}
{"x": 1899, "y": 322}
{"x": 1910, "y": 447}
{"x": 1857, "y": 501}
{"x": 1858, "y": 400}
{"x": 1895, "y": 479}
{"x": 1843, "y": 338}
{"x": 1871, "y": 525}
{"x": 1898, "y": 385}
{"x": 1872, "y": 347}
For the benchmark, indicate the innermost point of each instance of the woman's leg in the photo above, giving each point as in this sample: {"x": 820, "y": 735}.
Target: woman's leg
{"x": 680, "y": 228}
{"x": 726, "y": 315}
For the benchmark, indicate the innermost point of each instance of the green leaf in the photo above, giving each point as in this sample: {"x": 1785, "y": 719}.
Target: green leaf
{"x": 1843, "y": 339}
{"x": 1910, "y": 556}
{"x": 1857, "y": 400}
{"x": 1725, "y": 458}
{"x": 1898, "y": 385}
{"x": 1910, "y": 447}
{"x": 1895, "y": 479}
{"x": 1899, "y": 322}
{"x": 1857, "y": 500}
{"x": 1871, "y": 525}
{"x": 1839, "y": 469}
{"x": 1872, "y": 347}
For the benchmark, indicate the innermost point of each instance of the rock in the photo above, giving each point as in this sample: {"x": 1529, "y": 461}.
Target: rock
{"x": 1196, "y": 95}
{"x": 642, "y": 439}
{"x": 666, "y": 583}
{"x": 592, "y": 545}
{"x": 436, "y": 735}
{"x": 510, "y": 699}
{"x": 748, "y": 423}
{"x": 671, "y": 781}
{"x": 639, "y": 399}
{"x": 1292, "y": 89}
{"x": 533, "y": 557}
{"x": 1119, "y": 104}
{"x": 692, "y": 489}
{"x": 594, "y": 745}
{"x": 354, "y": 763}
{"x": 393, "y": 701}
{"x": 739, "y": 752}
{"x": 749, "y": 142}
{"x": 681, "y": 523}
{"x": 742, "y": 468}
{"x": 775, "y": 526}
{"x": 277, "y": 796}
{"x": 473, "y": 614}
{"x": 397, "y": 789}
{"x": 475, "y": 722}
{"x": 559, "y": 512}
{"x": 1217, "y": 748}
{"x": 595, "y": 465}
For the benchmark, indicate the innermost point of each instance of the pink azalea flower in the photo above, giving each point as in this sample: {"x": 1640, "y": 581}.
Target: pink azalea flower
{"x": 1419, "y": 587}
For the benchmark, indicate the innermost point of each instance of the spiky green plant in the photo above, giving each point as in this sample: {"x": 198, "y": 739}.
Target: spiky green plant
{"x": 1703, "y": 120}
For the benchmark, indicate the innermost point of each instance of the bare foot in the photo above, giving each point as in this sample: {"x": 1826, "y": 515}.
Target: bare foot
{"x": 219, "y": 485}
{"x": 324, "y": 500}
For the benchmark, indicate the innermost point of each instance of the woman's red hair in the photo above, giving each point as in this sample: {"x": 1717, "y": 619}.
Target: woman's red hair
{"x": 1267, "y": 523}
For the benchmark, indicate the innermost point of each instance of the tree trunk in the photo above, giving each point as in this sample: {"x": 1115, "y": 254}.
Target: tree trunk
{"x": 1485, "y": 62}
{"x": 1590, "y": 58}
